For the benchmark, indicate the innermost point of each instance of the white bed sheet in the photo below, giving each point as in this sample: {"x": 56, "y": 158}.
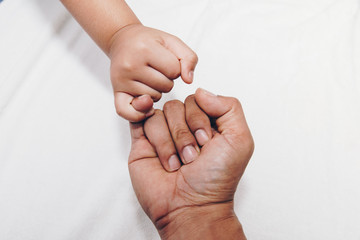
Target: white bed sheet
{"x": 293, "y": 64}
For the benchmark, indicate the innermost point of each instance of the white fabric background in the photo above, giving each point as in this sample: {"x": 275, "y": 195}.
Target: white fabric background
{"x": 294, "y": 65}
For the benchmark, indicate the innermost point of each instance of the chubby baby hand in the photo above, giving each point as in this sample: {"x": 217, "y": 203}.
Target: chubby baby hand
{"x": 144, "y": 63}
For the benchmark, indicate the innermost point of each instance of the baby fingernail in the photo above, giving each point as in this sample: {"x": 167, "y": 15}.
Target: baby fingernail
{"x": 174, "y": 163}
{"x": 191, "y": 75}
{"x": 189, "y": 153}
{"x": 201, "y": 137}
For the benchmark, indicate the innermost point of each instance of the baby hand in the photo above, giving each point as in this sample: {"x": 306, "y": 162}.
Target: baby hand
{"x": 144, "y": 63}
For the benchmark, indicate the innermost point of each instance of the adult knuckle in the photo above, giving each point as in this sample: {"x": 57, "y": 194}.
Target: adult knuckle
{"x": 197, "y": 120}
{"x": 180, "y": 132}
{"x": 173, "y": 104}
{"x": 157, "y": 112}
{"x": 235, "y": 101}
{"x": 189, "y": 99}
{"x": 195, "y": 116}
{"x": 235, "y": 104}
{"x": 165, "y": 147}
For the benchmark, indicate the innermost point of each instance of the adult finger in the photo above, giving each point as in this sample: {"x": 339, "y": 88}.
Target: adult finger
{"x": 184, "y": 140}
{"x": 229, "y": 116}
{"x": 143, "y": 161}
{"x": 187, "y": 57}
{"x": 198, "y": 121}
{"x": 125, "y": 108}
{"x": 157, "y": 131}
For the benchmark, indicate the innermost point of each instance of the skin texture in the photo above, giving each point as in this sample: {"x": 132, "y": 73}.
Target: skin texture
{"x": 144, "y": 61}
{"x": 196, "y": 200}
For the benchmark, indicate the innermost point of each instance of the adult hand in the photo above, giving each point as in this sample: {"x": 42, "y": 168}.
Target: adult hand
{"x": 196, "y": 200}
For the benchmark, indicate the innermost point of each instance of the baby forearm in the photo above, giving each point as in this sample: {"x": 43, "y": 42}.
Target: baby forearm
{"x": 101, "y": 19}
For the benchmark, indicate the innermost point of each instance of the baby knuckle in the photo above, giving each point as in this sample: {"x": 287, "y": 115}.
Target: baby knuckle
{"x": 193, "y": 58}
{"x": 168, "y": 87}
{"x": 156, "y": 96}
{"x": 127, "y": 65}
{"x": 173, "y": 72}
{"x": 142, "y": 47}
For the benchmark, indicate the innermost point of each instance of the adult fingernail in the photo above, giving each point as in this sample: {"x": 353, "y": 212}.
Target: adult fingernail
{"x": 208, "y": 93}
{"x": 201, "y": 137}
{"x": 189, "y": 153}
{"x": 174, "y": 163}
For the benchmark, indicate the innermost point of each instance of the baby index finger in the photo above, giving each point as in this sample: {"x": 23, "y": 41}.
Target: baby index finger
{"x": 125, "y": 109}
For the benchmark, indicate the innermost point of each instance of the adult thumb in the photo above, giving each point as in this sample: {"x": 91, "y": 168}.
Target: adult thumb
{"x": 230, "y": 123}
{"x": 226, "y": 111}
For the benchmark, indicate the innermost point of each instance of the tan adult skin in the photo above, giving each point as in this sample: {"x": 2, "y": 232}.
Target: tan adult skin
{"x": 194, "y": 200}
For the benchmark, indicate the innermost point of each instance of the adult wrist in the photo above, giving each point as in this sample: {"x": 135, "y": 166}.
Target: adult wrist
{"x": 216, "y": 221}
